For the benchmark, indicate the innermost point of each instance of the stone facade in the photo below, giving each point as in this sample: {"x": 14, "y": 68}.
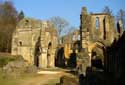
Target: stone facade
{"x": 97, "y": 31}
{"x": 36, "y": 41}
{"x": 105, "y": 46}
{"x": 71, "y": 43}
{"x": 96, "y": 27}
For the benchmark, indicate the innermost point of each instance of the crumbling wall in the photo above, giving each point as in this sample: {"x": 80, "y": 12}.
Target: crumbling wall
{"x": 96, "y": 28}
{"x": 31, "y": 39}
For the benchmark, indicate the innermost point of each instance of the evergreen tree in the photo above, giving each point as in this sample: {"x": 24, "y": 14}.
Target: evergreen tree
{"x": 21, "y": 15}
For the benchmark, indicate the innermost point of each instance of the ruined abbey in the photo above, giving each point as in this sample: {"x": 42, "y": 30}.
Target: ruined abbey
{"x": 97, "y": 31}
{"x": 92, "y": 45}
{"x": 36, "y": 41}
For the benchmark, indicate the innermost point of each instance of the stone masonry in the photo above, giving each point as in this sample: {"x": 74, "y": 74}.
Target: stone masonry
{"x": 36, "y": 41}
{"x": 96, "y": 33}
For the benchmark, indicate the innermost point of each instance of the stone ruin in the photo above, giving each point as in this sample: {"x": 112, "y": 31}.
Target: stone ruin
{"x": 96, "y": 27}
{"x": 71, "y": 46}
{"x": 96, "y": 31}
{"x": 101, "y": 59}
{"x": 36, "y": 41}
{"x": 71, "y": 42}
{"x": 99, "y": 38}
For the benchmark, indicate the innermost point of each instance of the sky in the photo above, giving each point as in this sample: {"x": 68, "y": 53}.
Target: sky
{"x": 67, "y": 9}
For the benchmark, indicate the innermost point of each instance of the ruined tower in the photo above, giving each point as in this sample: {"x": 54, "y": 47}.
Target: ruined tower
{"x": 96, "y": 32}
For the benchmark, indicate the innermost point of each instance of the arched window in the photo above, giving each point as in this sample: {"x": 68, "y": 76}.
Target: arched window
{"x": 49, "y": 45}
{"x": 20, "y": 43}
{"x": 97, "y": 22}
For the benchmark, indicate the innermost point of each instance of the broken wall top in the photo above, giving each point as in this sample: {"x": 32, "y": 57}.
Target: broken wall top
{"x": 30, "y": 23}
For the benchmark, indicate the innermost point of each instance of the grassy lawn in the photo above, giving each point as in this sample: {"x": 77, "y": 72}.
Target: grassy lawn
{"x": 7, "y": 81}
{"x": 4, "y": 59}
{"x": 15, "y": 81}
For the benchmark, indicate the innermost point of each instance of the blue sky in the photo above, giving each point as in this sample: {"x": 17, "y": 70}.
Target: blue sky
{"x": 68, "y": 9}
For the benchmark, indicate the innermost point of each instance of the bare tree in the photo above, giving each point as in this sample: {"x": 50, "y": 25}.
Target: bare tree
{"x": 59, "y": 23}
{"x": 8, "y": 20}
{"x": 121, "y": 16}
{"x": 107, "y": 10}
{"x": 70, "y": 30}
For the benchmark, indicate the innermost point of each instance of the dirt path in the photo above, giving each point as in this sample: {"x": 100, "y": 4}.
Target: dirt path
{"x": 43, "y": 79}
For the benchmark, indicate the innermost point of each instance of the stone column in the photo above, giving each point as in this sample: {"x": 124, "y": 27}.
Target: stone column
{"x": 51, "y": 58}
{"x": 43, "y": 59}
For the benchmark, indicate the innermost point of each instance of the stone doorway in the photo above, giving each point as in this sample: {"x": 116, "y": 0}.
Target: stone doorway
{"x": 37, "y": 52}
{"x": 49, "y": 54}
{"x": 104, "y": 29}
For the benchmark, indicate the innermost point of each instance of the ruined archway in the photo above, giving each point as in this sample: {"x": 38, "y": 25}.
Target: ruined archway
{"x": 49, "y": 54}
{"x": 104, "y": 28}
{"x": 37, "y": 53}
{"x": 60, "y": 57}
{"x": 97, "y": 51}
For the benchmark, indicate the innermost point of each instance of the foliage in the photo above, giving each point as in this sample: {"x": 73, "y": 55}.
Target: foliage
{"x": 21, "y": 15}
{"x": 6, "y": 81}
{"x": 4, "y": 59}
{"x": 8, "y": 20}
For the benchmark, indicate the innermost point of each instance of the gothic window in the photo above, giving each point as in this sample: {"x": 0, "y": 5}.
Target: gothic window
{"x": 97, "y": 22}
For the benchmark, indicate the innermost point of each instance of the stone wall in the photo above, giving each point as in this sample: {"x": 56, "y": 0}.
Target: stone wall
{"x": 96, "y": 27}
{"x": 31, "y": 39}
{"x": 97, "y": 31}
{"x": 70, "y": 43}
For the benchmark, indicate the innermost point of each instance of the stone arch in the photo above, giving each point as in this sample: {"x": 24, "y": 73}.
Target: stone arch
{"x": 104, "y": 28}
{"x": 37, "y": 52}
{"x": 49, "y": 54}
{"x": 97, "y": 53}
{"x": 97, "y": 23}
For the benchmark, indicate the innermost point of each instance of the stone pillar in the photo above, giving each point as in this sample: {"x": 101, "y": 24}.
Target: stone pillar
{"x": 52, "y": 59}
{"x": 43, "y": 59}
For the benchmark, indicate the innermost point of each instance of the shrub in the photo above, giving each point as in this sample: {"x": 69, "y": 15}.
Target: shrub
{"x": 4, "y": 59}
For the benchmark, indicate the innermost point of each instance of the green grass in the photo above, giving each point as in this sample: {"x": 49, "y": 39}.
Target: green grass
{"x": 7, "y": 81}
{"x": 4, "y": 59}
